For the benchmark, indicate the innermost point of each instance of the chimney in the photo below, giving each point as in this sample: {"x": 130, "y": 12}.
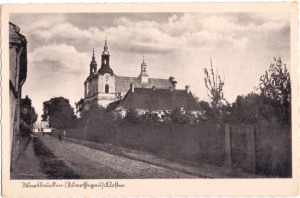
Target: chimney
{"x": 187, "y": 88}
{"x": 154, "y": 88}
{"x": 171, "y": 88}
{"x": 131, "y": 87}
{"x": 171, "y": 78}
{"x": 174, "y": 84}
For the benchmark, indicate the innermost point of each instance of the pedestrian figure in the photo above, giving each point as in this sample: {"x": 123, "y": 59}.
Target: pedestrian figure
{"x": 59, "y": 137}
{"x": 43, "y": 133}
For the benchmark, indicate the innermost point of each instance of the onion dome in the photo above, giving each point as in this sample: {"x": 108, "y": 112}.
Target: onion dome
{"x": 93, "y": 62}
{"x": 143, "y": 64}
{"x": 106, "y": 69}
{"x": 105, "y": 52}
{"x": 143, "y": 69}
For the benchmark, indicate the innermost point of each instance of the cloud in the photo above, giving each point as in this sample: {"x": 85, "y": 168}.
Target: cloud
{"x": 188, "y": 31}
{"x": 56, "y": 70}
{"x": 180, "y": 31}
{"x": 179, "y": 44}
{"x": 58, "y": 58}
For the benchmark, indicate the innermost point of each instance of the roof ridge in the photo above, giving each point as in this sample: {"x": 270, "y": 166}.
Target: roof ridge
{"x": 125, "y": 98}
{"x": 126, "y": 76}
{"x": 160, "y": 79}
{"x": 138, "y": 77}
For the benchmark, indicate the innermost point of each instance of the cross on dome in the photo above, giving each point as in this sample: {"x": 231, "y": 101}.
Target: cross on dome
{"x": 105, "y": 47}
{"x": 144, "y": 64}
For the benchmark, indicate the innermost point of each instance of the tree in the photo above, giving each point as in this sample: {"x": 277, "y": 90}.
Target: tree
{"x": 275, "y": 84}
{"x": 34, "y": 115}
{"x": 215, "y": 85}
{"x": 133, "y": 117}
{"x": 58, "y": 112}
{"x": 208, "y": 110}
{"x": 94, "y": 116}
{"x": 79, "y": 106}
{"x": 246, "y": 109}
{"x": 30, "y": 116}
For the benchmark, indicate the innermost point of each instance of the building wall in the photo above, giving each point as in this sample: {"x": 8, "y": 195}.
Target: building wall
{"x": 12, "y": 92}
{"x": 13, "y": 64}
{"x": 91, "y": 87}
{"x": 106, "y": 79}
{"x": 105, "y": 98}
{"x": 17, "y": 48}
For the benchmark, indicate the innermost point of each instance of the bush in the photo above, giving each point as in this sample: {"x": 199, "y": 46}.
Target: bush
{"x": 133, "y": 117}
{"x": 24, "y": 131}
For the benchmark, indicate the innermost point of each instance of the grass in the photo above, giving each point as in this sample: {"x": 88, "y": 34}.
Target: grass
{"x": 50, "y": 165}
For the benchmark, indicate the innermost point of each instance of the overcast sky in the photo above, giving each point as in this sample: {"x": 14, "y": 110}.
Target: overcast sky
{"x": 241, "y": 45}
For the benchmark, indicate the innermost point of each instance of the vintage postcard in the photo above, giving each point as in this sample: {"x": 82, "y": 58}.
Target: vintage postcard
{"x": 165, "y": 99}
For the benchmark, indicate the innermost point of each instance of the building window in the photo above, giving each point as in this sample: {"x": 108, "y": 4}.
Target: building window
{"x": 25, "y": 111}
{"x": 106, "y": 88}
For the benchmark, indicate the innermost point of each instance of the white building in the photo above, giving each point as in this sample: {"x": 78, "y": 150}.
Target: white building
{"x": 104, "y": 86}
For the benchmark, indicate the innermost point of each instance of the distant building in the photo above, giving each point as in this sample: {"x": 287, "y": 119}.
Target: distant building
{"x": 142, "y": 93}
{"x": 104, "y": 86}
{"x": 41, "y": 126}
{"x": 157, "y": 99}
{"x": 17, "y": 77}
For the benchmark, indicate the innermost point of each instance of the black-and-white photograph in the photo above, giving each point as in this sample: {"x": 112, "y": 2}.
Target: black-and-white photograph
{"x": 150, "y": 95}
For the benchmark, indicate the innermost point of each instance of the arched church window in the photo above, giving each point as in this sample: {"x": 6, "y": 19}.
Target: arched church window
{"x": 105, "y": 61}
{"x": 106, "y": 88}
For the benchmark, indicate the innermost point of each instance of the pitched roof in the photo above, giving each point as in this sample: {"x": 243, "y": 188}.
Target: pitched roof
{"x": 122, "y": 83}
{"x": 111, "y": 106}
{"x": 16, "y": 38}
{"x": 159, "y": 99}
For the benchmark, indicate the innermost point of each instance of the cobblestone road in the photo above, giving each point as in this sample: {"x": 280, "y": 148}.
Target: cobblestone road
{"x": 94, "y": 164}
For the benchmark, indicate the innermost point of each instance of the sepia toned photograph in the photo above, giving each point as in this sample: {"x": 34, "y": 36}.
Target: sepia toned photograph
{"x": 176, "y": 95}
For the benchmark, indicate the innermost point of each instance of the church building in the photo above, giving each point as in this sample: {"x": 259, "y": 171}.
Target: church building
{"x": 104, "y": 86}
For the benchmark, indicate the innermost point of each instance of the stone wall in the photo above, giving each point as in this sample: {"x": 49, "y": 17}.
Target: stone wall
{"x": 264, "y": 148}
{"x": 201, "y": 143}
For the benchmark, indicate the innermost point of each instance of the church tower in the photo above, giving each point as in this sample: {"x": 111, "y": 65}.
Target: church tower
{"x": 144, "y": 76}
{"x": 105, "y": 68}
{"x": 90, "y": 85}
{"x": 106, "y": 79}
{"x": 93, "y": 65}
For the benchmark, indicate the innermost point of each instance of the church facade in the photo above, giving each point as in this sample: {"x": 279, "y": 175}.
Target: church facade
{"x": 104, "y": 86}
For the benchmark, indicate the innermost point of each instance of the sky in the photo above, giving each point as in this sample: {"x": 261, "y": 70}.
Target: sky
{"x": 241, "y": 46}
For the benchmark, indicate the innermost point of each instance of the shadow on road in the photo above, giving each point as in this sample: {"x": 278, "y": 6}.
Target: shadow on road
{"x": 50, "y": 165}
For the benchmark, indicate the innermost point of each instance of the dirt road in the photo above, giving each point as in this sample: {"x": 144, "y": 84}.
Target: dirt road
{"x": 89, "y": 163}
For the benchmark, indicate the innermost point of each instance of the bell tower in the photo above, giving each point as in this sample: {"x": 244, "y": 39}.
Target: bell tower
{"x": 93, "y": 65}
{"x": 105, "y": 68}
{"x": 105, "y": 55}
{"x": 144, "y": 76}
{"x": 106, "y": 79}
